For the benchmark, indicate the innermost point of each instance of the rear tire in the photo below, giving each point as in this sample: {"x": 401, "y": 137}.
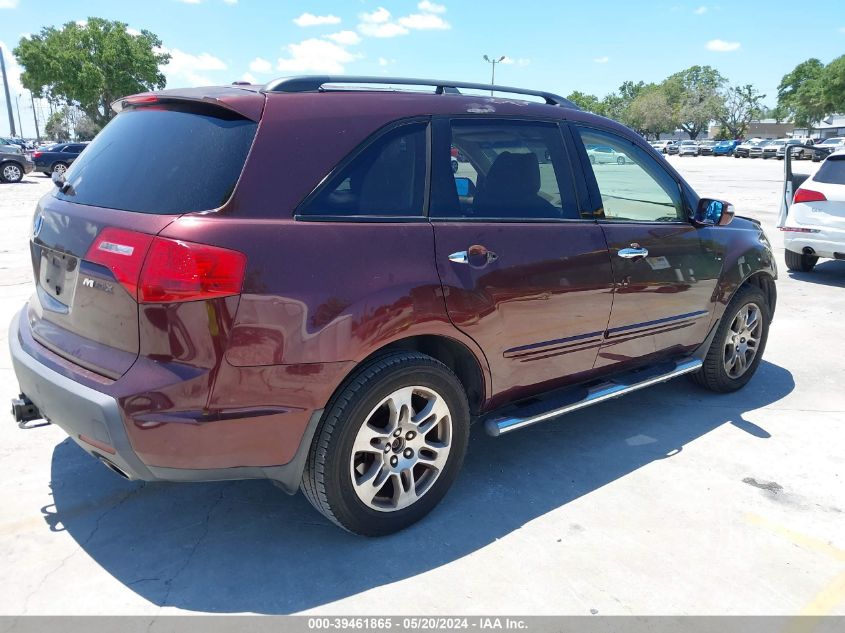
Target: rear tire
{"x": 378, "y": 463}
{"x": 59, "y": 168}
{"x": 738, "y": 346}
{"x": 799, "y": 262}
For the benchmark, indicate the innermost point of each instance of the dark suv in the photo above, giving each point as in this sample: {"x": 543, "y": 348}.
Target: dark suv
{"x": 313, "y": 295}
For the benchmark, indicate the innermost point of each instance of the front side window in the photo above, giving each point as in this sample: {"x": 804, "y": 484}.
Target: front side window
{"x": 386, "y": 178}
{"x": 504, "y": 169}
{"x": 633, "y": 186}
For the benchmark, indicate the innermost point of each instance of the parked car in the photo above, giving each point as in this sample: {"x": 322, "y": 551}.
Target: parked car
{"x": 661, "y": 146}
{"x": 814, "y": 224}
{"x": 725, "y": 148}
{"x": 798, "y": 152}
{"x": 688, "y": 148}
{"x": 11, "y": 140}
{"x": 705, "y": 148}
{"x": 14, "y": 164}
{"x": 672, "y": 148}
{"x": 826, "y": 147}
{"x": 743, "y": 149}
{"x": 604, "y": 155}
{"x": 211, "y": 316}
{"x": 56, "y": 158}
{"x": 755, "y": 150}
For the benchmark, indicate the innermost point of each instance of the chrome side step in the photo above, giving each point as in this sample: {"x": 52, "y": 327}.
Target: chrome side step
{"x": 599, "y": 393}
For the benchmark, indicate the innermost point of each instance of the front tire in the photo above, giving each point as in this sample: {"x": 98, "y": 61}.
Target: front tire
{"x": 11, "y": 172}
{"x": 738, "y": 346}
{"x": 799, "y": 262}
{"x": 389, "y": 446}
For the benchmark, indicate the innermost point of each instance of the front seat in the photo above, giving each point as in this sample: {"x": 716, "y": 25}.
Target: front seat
{"x": 510, "y": 189}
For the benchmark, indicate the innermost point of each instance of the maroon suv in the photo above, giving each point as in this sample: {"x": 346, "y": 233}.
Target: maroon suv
{"x": 294, "y": 282}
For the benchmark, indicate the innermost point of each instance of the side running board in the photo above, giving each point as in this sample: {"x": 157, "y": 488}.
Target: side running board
{"x": 578, "y": 398}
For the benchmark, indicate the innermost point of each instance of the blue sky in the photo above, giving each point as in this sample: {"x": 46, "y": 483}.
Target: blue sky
{"x": 557, "y": 46}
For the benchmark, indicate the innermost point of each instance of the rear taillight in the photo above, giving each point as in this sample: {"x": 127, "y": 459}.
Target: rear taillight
{"x": 161, "y": 270}
{"x": 37, "y": 154}
{"x": 185, "y": 271}
{"x": 123, "y": 253}
{"x": 808, "y": 195}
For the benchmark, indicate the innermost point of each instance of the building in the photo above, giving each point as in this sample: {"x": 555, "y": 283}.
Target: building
{"x": 833, "y": 125}
{"x": 764, "y": 128}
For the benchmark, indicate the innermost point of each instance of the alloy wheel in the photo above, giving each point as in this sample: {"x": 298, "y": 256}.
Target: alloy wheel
{"x": 60, "y": 168}
{"x": 12, "y": 173}
{"x": 743, "y": 340}
{"x": 401, "y": 449}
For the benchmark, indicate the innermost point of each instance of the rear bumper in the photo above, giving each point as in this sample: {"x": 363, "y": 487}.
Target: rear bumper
{"x": 96, "y": 422}
{"x": 92, "y": 419}
{"x": 827, "y": 243}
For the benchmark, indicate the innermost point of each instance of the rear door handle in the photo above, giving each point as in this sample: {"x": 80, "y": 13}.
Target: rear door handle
{"x": 476, "y": 255}
{"x": 633, "y": 252}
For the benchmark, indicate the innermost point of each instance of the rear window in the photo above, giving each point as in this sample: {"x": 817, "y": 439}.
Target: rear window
{"x": 832, "y": 171}
{"x": 167, "y": 161}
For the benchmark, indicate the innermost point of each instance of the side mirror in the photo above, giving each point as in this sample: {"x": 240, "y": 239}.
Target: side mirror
{"x": 465, "y": 187}
{"x": 713, "y": 212}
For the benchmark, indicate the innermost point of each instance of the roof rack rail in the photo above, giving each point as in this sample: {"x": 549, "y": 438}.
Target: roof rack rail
{"x": 315, "y": 83}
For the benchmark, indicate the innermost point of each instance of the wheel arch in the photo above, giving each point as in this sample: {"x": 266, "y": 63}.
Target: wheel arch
{"x": 469, "y": 369}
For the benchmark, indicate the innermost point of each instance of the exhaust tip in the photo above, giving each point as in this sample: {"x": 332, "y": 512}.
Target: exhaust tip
{"x": 808, "y": 251}
{"x": 113, "y": 467}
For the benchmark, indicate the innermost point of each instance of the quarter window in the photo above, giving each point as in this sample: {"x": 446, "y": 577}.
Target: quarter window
{"x": 633, "y": 186}
{"x": 387, "y": 178}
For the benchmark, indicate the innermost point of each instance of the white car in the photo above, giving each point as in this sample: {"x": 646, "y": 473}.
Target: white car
{"x": 827, "y": 146}
{"x": 688, "y": 148}
{"x": 661, "y": 146}
{"x": 604, "y": 155}
{"x": 814, "y": 224}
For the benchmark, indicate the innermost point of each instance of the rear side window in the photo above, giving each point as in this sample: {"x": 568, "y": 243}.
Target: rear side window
{"x": 386, "y": 178}
{"x": 832, "y": 171}
{"x": 168, "y": 161}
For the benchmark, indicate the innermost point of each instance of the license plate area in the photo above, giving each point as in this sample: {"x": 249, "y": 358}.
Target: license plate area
{"x": 57, "y": 276}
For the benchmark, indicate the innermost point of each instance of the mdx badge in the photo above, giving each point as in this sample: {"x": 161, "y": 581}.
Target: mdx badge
{"x": 97, "y": 284}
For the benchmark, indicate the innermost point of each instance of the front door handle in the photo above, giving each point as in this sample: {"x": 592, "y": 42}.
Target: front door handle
{"x": 634, "y": 252}
{"x": 476, "y": 256}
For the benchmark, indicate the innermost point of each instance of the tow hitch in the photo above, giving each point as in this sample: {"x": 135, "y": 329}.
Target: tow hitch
{"x": 25, "y": 411}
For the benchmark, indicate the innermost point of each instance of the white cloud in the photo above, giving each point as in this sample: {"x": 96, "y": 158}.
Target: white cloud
{"x": 345, "y": 38}
{"x": 190, "y": 1}
{"x": 261, "y": 65}
{"x": 246, "y": 76}
{"x": 8, "y": 4}
{"x": 187, "y": 69}
{"x": 133, "y": 32}
{"x": 233, "y": 2}
{"x": 721, "y": 46}
{"x": 431, "y": 7}
{"x": 82, "y": 23}
{"x": 388, "y": 29}
{"x": 602, "y": 60}
{"x": 379, "y": 16}
{"x": 309, "y": 19}
{"x": 383, "y": 61}
{"x": 424, "y": 21}
{"x": 519, "y": 61}
{"x": 700, "y": 10}
{"x": 316, "y": 55}
{"x": 842, "y": 29}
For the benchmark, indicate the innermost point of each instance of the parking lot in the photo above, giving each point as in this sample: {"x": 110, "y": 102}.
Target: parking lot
{"x": 672, "y": 500}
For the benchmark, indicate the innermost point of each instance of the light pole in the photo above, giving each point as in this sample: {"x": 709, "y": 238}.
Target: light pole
{"x": 35, "y": 118}
{"x": 493, "y": 76}
{"x": 18, "y": 104}
{"x": 8, "y": 98}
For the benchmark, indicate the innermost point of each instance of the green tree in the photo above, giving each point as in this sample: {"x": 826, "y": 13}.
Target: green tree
{"x": 801, "y": 93}
{"x": 91, "y": 64}
{"x": 590, "y": 103}
{"x": 694, "y": 96}
{"x": 834, "y": 86}
{"x": 56, "y": 127}
{"x": 85, "y": 129}
{"x": 740, "y": 106}
{"x": 650, "y": 112}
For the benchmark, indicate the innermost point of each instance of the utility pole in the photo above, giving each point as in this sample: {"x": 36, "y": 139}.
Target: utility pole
{"x": 493, "y": 76}
{"x": 18, "y": 104}
{"x": 8, "y": 98}
{"x": 35, "y": 118}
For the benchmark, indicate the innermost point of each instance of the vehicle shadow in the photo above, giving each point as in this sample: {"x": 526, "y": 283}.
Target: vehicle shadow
{"x": 247, "y": 547}
{"x": 829, "y": 272}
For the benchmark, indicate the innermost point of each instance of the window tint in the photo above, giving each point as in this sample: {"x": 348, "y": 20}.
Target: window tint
{"x": 633, "y": 186}
{"x": 168, "y": 161}
{"x": 502, "y": 169}
{"x": 832, "y": 171}
{"x": 387, "y": 178}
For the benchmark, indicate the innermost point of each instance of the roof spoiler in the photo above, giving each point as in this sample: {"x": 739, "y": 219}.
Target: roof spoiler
{"x": 316, "y": 83}
{"x": 247, "y": 104}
